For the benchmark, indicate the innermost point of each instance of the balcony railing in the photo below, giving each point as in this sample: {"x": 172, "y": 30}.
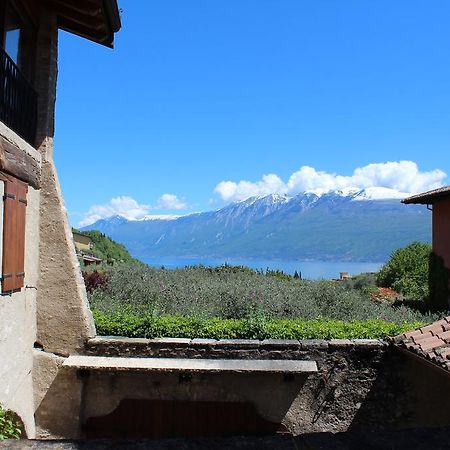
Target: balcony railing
{"x": 18, "y": 100}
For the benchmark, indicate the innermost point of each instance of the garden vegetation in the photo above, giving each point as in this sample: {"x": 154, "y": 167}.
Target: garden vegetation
{"x": 237, "y": 302}
{"x": 10, "y": 425}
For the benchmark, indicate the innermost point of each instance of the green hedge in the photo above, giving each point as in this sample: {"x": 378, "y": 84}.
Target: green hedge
{"x": 147, "y": 326}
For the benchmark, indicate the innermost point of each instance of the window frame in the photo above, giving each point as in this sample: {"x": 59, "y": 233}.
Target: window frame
{"x": 14, "y": 245}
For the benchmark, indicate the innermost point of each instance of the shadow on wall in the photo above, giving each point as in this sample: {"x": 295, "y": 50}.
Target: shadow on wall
{"x": 438, "y": 281}
{"x": 408, "y": 393}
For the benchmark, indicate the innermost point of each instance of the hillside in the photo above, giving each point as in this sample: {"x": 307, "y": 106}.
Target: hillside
{"x": 107, "y": 249}
{"x": 334, "y": 226}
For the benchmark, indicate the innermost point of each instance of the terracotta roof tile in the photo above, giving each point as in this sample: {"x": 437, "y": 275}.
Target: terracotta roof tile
{"x": 445, "y": 335}
{"x": 434, "y": 328}
{"x": 421, "y": 337}
{"x": 431, "y": 342}
{"x": 412, "y": 333}
{"x": 443, "y": 352}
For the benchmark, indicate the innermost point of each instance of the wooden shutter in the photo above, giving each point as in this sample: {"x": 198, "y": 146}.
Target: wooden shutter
{"x": 14, "y": 213}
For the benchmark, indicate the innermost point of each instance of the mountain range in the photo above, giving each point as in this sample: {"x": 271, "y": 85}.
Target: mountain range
{"x": 335, "y": 226}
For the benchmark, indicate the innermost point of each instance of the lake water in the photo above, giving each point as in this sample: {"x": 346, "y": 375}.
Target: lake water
{"x": 312, "y": 270}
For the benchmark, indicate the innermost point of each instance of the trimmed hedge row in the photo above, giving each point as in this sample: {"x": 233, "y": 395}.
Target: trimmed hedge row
{"x": 147, "y": 326}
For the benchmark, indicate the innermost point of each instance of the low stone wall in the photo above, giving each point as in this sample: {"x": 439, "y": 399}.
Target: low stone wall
{"x": 360, "y": 385}
{"x": 330, "y": 400}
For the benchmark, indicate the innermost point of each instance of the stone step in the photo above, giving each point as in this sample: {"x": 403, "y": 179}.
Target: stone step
{"x": 104, "y": 363}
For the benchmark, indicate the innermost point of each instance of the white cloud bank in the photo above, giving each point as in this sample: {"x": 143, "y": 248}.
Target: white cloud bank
{"x": 130, "y": 209}
{"x": 393, "y": 179}
{"x": 170, "y": 201}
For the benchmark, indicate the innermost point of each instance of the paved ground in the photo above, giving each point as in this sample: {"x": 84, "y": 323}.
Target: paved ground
{"x": 416, "y": 439}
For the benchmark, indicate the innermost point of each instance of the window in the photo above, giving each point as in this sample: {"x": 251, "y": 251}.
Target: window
{"x": 18, "y": 35}
{"x": 14, "y": 216}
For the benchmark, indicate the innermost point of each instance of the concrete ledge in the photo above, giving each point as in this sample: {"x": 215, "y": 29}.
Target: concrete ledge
{"x": 100, "y": 363}
{"x": 224, "y": 348}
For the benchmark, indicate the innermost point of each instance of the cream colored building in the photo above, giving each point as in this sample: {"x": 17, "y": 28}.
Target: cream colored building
{"x": 82, "y": 242}
{"x": 44, "y": 313}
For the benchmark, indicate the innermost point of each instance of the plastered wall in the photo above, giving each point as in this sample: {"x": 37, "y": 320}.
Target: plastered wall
{"x": 18, "y": 315}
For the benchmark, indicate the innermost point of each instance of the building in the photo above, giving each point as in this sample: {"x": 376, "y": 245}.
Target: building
{"x": 438, "y": 201}
{"x": 44, "y": 312}
{"x": 82, "y": 242}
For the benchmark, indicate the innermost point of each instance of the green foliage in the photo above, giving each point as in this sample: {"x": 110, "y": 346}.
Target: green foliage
{"x": 139, "y": 290}
{"x": 10, "y": 426}
{"x": 407, "y": 271}
{"x": 149, "y": 326}
{"x": 439, "y": 283}
{"x": 108, "y": 250}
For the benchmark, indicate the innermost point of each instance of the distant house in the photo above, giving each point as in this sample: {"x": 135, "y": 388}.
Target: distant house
{"x": 438, "y": 201}
{"x": 89, "y": 259}
{"x": 82, "y": 242}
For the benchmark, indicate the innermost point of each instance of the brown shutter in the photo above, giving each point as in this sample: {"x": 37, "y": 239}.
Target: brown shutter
{"x": 14, "y": 213}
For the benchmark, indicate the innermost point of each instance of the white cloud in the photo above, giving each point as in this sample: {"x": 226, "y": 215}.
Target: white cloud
{"x": 130, "y": 209}
{"x": 397, "y": 178}
{"x": 170, "y": 201}
{"x": 119, "y": 206}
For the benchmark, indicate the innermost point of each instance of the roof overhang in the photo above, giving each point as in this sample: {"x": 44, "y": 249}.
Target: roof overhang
{"x": 95, "y": 20}
{"x": 429, "y": 197}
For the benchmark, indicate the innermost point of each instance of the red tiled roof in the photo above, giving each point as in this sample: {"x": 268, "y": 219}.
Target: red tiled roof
{"x": 431, "y": 342}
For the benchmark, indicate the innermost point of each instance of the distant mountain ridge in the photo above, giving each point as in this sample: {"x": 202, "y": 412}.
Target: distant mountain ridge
{"x": 340, "y": 225}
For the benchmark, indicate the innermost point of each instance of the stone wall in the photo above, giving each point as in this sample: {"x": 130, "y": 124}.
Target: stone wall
{"x": 361, "y": 384}
{"x": 331, "y": 400}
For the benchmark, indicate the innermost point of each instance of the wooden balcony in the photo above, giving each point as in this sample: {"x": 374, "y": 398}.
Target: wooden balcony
{"x": 18, "y": 100}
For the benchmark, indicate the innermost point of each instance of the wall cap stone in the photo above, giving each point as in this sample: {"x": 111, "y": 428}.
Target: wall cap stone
{"x": 138, "y": 344}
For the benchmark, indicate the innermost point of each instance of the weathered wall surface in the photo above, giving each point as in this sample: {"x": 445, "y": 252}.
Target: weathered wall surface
{"x": 64, "y": 320}
{"x": 18, "y": 315}
{"x": 329, "y": 401}
{"x": 441, "y": 224}
{"x": 357, "y": 386}
{"x": 360, "y": 385}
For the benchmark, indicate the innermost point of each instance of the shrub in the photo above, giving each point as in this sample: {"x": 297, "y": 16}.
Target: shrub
{"x": 94, "y": 280}
{"x": 236, "y": 294}
{"x": 10, "y": 425}
{"x": 148, "y": 326}
{"x": 407, "y": 271}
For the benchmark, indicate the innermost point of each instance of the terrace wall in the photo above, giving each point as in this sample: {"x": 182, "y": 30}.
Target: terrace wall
{"x": 360, "y": 385}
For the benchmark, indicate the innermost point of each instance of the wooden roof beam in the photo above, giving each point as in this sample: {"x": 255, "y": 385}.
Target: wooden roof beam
{"x": 85, "y": 7}
{"x": 89, "y": 21}
{"x": 100, "y": 35}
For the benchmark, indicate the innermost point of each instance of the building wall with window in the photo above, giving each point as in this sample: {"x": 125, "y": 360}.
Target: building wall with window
{"x": 18, "y": 307}
{"x": 44, "y": 313}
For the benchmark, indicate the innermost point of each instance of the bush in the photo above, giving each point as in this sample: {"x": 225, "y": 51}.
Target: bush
{"x": 10, "y": 425}
{"x": 148, "y": 326}
{"x": 94, "y": 280}
{"x": 407, "y": 271}
{"x": 236, "y": 294}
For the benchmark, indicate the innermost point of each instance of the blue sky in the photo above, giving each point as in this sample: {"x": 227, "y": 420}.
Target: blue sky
{"x": 198, "y": 93}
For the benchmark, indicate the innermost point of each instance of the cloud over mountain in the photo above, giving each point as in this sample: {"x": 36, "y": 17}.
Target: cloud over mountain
{"x": 397, "y": 178}
{"x": 130, "y": 209}
{"x": 118, "y": 206}
{"x": 170, "y": 202}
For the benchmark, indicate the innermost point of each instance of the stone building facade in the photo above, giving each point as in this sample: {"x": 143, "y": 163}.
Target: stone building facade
{"x": 43, "y": 301}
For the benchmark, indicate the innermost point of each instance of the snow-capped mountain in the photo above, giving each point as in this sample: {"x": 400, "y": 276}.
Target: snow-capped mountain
{"x": 349, "y": 224}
